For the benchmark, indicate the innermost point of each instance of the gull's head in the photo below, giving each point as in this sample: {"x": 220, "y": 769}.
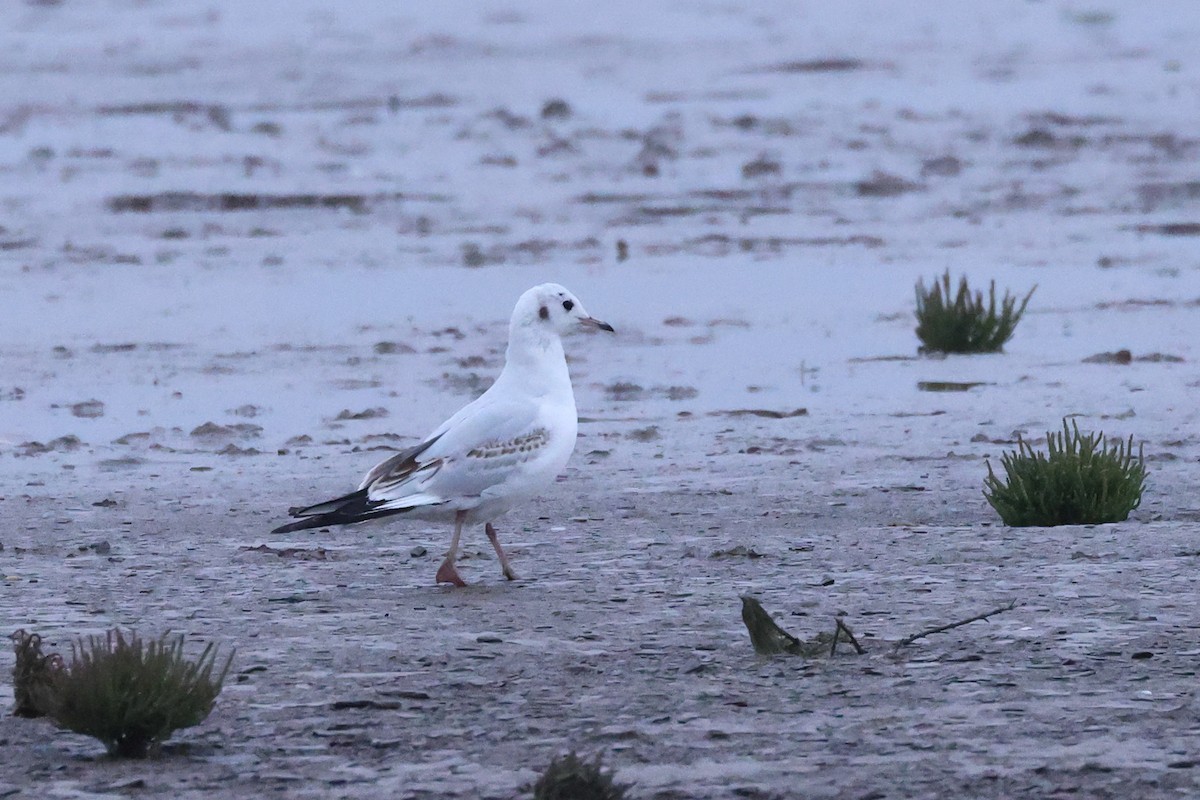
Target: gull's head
{"x": 550, "y": 308}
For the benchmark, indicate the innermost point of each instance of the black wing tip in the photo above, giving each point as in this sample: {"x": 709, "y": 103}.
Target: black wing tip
{"x": 314, "y": 522}
{"x": 337, "y": 518}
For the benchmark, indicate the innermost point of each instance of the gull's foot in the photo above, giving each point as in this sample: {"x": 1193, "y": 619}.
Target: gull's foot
{"x": 508, "y": 573}
{"x": 447, "y": 573}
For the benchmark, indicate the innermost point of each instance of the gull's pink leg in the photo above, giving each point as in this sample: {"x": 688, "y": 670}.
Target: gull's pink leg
{"x": 495, "y": 540}
{"x": 446, "y": 572}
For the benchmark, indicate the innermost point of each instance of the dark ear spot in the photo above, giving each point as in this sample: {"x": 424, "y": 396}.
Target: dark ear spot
{"x": 544, "y": 312}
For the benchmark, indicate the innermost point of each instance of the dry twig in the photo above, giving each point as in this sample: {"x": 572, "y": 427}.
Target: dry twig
{"x": 769, "y": 639}
{"x": 941, "y": 628}
{"x": 843, "y": 628}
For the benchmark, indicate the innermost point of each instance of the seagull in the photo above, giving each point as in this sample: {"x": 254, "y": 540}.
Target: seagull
{"x": 504, "y": 447}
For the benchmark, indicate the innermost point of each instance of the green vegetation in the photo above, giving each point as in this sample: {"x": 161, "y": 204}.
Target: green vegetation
{"x": 33, "y": 672}
{"x": 572, "y": 778}
{"x": 1080, "y": 481}
{"x": 966, "y": 325}
{"x": 132, "y": 694}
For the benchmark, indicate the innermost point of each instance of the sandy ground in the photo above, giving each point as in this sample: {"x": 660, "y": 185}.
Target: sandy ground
{"x": 246, "y": 250}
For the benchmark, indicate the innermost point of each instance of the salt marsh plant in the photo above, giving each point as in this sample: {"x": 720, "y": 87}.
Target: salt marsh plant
{"x": 1081, "y": 480}
{"x": 965, "y": 324}
{"x": 33, "y": 673}
{"x": 131, "y": 693}
{"x": 571, "y": 778}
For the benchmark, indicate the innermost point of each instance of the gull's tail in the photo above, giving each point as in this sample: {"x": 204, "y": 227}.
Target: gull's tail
{"x": 391, "y": 480}
{"x": 354, "y": 507}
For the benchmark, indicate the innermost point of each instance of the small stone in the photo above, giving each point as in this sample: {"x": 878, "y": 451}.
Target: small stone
{"x": 648, "y": 434}
{"x": 392, "y": 348}
{"x": 1117, "y": 357}
{"x": 88, "y": 409}
{"x": 370, "y": 413}
{"x": 556, "y": 109}
{"x": 763, "y": 165}
{"x": 883, "y": 184}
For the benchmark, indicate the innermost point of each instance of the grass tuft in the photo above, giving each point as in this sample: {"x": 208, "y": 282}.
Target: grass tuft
{"x": 130, "y": 693}
{"x": 966, "y": 325}
{"x": 571, "y": 778}
{"x": 33, "y": 672}
{"x": 1080, "y": 481}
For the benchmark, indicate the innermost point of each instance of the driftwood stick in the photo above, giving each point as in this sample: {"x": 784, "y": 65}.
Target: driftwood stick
{"x": 941, "y": 628}
{"x": 841, "y": 628}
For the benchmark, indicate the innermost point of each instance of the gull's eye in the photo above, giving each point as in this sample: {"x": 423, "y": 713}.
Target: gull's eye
{"x": 568, "y": 304}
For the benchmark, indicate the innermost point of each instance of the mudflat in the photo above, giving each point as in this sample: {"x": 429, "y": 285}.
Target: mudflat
{"x": 249, "y": 250}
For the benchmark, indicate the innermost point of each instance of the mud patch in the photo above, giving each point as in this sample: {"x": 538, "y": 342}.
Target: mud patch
{"x": 63, "y": 444}
{"x": 1172, "y": 229}
{"x": 816, "y": 66}
{"x": 1127, "y": 357}
{"x": 233, "y": 202}
{"x": 764, "y": 413}
{"x": 239, "y": 430}
{"x": 948, "y": 386}
{"x": 370, "y": 413}
{"x": 885, "y": 184}
{"x": 294, "y": 553}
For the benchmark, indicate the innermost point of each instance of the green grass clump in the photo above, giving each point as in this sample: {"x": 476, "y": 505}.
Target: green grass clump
{"x": 966, "y": 325}
{"x": 572, "y": 778}
{"x": 32, "y": 673}
{"x": 132, "y": 694}
{"x": 1081, "y": 481}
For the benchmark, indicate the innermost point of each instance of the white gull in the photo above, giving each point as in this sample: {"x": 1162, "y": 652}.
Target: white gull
{"x": 504, "y": 447}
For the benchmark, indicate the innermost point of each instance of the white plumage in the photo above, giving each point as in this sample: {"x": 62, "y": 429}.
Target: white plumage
{"x": 504, "y": 447}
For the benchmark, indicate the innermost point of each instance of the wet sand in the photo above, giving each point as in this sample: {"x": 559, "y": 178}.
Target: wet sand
{"x": 240, "y": 268}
